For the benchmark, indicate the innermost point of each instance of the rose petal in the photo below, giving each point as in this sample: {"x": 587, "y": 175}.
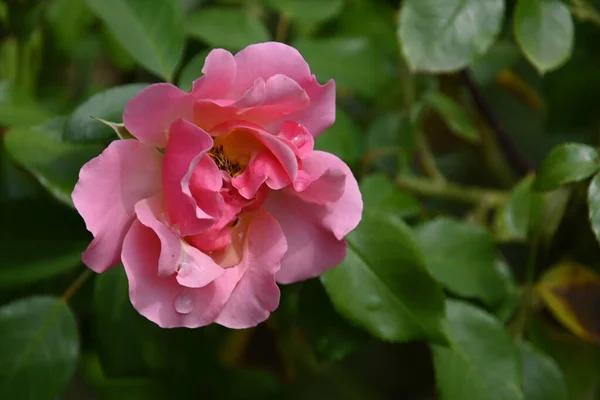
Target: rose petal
{"x": 184, "y": 155}
{"x": 264, "y": 60}
{"x": 149, "y": 114}
{"x": 266, "y": 103}
{"x": 194, "y": 268}
{"x": 108, "y": 188}
{"x": 256, "y": 294}
{"x": 320, "y": 114}
{"x": 320, "y": 181}
{"x": 162, "y": 299}
{"x": 315, "y": 231}
{"x": 219, "y": 75}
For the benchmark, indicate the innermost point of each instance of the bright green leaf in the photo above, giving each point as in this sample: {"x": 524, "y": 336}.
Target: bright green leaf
{"x": 344, "y": 139}
{"x": 354, "y": 63}
{"x": 455, "y": 116}
{"x": 380, "y": 193}
{"x": 482, "y": 362}
{"x": 544, "y": 30}
{"x": 152, "y": 31}
{"x": 39, "y": 348}
{"x": 308, "y": 11}
{"x": 192, "y": 71}
{"x": 53, "y": 247}
{"x": 229, "y": 28}
{"x": 567, "y": 163}
{"x": 107, "y": 105}
{"x": 462, "y": 258}
{"x": 383, "y": 286}
{"x": 542, "y": 378}
{"x": 594, "y": 205}
{"x": 446, "y": 35}
{"x": 54, "y": 163}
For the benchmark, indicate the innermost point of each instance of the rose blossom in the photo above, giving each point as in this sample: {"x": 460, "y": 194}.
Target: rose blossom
{"x": 222, "y": 195}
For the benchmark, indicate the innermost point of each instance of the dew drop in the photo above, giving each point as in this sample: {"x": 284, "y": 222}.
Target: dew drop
{"x": 184, "y": 303}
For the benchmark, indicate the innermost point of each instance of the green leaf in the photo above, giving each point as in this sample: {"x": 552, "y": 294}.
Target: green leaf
{"x": 462, "y": 257}
{"x": 19, "y": 110}
{"x": 446, "y": 35}
{"x": 519, "y": 217}
{"x": 53, "y": 247}
{"x": 54, "y": 163}
{"x": 354, "y": 63}
{"x": 579, "y": 361}
{"x": 482, "y": 361}
{"x": 120, "y": 333}
{"x": 455, "y": 116}
{"x": 331, "y": 337}
{"x": 68, "y": 19}
{"x": 344, "y": 139}
{"x": 390, "y": 140}
{"x": 192, "y": 71}
{"x": 594, "y": 205}
{"x": 372, "y": 19}
{"x": 542, "y": 378}
{"x": 567, "y": 163}
{"x": 229, "y": 28}
{"x": 39, "y": 348}
{"x": 544, "y": 30}
{"x": 383, "y": 286}
{"x": 107, "y": 105}
{"x": 152, "y": 31}
{"x": 380, "y": 193}
{"x": 307, "y": 11}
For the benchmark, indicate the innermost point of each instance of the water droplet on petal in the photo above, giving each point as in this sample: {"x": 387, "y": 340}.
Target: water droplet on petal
{"x": 184, "y": 303}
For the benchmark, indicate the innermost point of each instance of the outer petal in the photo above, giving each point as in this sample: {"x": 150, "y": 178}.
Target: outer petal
{"x": 266, "y": 103}
{"x": 185, "y": 153}
{"x": 256, "y": 294}
{"x": 320, "y": 114}
{"x": 193, "y": 268}
{"x": 314, "y": 231}
{"x": 108, "y": 188}
{"x": 162, "y": 299}
{"x": 263, "y": 60}
{"x": 219, "y": 75}
{"x": 149, "y": 114}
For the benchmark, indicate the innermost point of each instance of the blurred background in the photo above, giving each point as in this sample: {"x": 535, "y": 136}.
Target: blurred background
{"x": 446, "y": 108}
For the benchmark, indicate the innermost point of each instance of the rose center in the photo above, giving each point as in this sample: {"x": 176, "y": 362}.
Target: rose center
{"x": 231, "y": 153}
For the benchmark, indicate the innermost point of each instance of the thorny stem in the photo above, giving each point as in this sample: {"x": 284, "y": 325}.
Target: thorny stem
{"x": 467, "y": 194}
{"x": 76, "y": 285}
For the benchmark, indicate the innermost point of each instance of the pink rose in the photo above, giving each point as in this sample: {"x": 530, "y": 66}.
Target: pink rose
{"x": 221, "y": 196}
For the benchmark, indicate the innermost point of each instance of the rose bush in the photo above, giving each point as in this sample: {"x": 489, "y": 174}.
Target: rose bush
{"x": 221, "y": 196}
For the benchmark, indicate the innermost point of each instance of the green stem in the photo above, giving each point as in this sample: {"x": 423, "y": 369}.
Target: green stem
{"x": 467, "y": 194}
{"x": 527, "y": 297}
{"x": 427, "y": 158}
